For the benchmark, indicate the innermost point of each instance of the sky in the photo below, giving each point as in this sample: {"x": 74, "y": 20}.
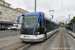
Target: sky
{"x": 62, "y": 8}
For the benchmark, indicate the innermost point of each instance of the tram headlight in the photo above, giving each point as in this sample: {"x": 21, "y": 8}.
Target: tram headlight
{"x": 36, "y": 35}
{"x": 38, "y": 32}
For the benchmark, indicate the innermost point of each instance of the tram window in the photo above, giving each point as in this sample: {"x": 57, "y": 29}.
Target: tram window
{"x": 51, "y": 26}
{"x": 39, "y": 20}
{"x": 38, "y": 25}
{"x": 0, "y": 25}
{"x": 47, "y": 24}
{"x": 55, "y": 26}
{"x": 42, "y": 24}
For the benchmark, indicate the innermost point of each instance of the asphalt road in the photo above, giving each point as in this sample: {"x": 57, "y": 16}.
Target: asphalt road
{"x": 59, "y": 41}
{"x": 6, "y": 33}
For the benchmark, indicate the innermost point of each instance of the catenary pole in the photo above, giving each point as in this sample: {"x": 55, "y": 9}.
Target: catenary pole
{"x": 35, "y": 6}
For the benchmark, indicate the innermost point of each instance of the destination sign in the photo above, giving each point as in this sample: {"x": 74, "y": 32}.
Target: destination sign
{"x": 30, "y": 16}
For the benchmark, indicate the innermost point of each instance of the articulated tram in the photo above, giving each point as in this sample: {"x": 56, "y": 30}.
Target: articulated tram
{"x": 36, "y": 27}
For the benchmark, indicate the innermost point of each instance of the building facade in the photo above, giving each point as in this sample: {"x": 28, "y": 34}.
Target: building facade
{"x": 9, "y": 14}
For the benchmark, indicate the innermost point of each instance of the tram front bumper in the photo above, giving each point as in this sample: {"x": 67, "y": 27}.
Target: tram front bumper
{"x": 32, "y": 40}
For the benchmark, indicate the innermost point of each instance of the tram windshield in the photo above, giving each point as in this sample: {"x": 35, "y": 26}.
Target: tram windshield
{"x": 30, "y": 21}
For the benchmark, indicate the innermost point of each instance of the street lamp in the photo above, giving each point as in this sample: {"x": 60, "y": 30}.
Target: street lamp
{"x": 66, "y": 21}
{"x": 35, "y": 6}
{"x": 69, "y": 16}
{"x": 51, "y": 13}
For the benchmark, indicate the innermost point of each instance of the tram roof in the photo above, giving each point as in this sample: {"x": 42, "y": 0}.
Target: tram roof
{"x": 33, "y": 13}
{"x": 37, "y": 13}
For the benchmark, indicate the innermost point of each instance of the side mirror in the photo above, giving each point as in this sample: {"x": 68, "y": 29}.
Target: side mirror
{"x": 22, "y": 14}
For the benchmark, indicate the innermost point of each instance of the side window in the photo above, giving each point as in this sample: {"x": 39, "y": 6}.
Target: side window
{"x": 42, "y": 24}
{"x": 51, "y": 25}
{"x": 38, "y": 25}
{"x": 47, "y": 24}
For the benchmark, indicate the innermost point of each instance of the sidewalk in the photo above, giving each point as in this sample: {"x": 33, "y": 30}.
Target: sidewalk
{"x": 71, "y": 33}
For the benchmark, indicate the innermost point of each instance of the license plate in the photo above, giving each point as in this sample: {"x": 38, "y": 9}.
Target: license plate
{"x": 28, "y": 36}
{"x": 26, "y": 40}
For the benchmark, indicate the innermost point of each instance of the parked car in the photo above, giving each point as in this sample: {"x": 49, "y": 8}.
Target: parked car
{"x": 15, "y": 27}
{"x": 3, "y": 28}
{"x": 8, "y": 28}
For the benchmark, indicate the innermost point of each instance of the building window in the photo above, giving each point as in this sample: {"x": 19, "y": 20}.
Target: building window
{"x": 5, "y": 9}
{"x": 10, "y": 19}
{"x": 0, "y": 14}
{"x": 9, "y": 10}
{"x": 5, "y": 15}
{"x": 8, "y": 5}
{"x": 13, "y": 15}
{"x": 13, "y": 20}
{"x": 0, "y": 18}
{"x": 0, "y": 7}
{"x": 17, "y": 11}
{"x": 5, "y": 19}
{"x": 3, "y": 3}
{"x": 9, "y": 16}
{"x": 16, "y": 20}
{"x": 13, "y": 11}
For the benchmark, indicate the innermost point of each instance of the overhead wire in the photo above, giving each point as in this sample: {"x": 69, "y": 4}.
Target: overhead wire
{"x": 47, "y": 4}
